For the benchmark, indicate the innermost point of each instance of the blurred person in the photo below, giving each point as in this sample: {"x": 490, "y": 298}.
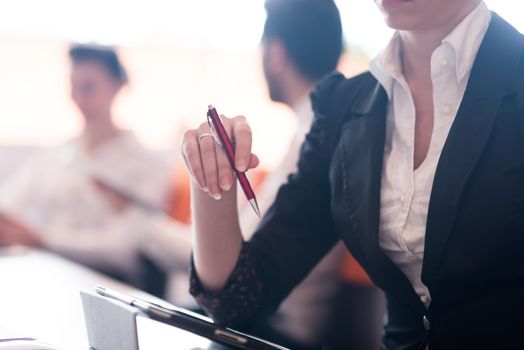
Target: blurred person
{"x": 98, "y": 198}
{"x": 416, "y": 165}
{"x": 295, "y": 56}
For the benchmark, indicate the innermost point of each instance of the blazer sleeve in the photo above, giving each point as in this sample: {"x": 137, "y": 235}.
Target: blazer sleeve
{"x": 296, "y": 232}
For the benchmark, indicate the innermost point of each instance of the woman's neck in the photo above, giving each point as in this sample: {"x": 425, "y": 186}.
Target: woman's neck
{"x": 418, "y": 45}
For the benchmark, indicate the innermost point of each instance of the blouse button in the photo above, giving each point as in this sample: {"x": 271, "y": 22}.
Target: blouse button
{"x": 425, "y": 321}
{"x": 446, "y": 109}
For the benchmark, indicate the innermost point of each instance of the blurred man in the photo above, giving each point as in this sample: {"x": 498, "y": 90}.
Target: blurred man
{"x": 96, "y": 199}
{"x": 302, "y": 42}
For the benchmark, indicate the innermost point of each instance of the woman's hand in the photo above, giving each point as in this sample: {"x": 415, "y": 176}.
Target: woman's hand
{"x": 217, "y": 238}
{"x": 208, "y": 163}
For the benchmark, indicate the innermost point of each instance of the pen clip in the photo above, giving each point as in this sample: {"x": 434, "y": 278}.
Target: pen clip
{"x": 212, "y": 128}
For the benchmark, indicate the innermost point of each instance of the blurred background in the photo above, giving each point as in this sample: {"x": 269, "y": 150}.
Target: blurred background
{"x": 181, "y": 56}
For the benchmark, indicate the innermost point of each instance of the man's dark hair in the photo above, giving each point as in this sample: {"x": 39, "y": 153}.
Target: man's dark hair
{"x": 311, "y": 32}
{"x": 103, "y": 55}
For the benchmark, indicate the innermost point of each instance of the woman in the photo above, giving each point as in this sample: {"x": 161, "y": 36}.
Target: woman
{"x": 96, "y": 198}
{"x": 416, "y": 165}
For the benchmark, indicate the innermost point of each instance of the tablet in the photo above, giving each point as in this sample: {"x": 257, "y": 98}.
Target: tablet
{"x": 191, "y": 322}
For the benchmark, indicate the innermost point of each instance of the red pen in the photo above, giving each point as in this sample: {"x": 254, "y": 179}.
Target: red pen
{"x": 220, "y": 135}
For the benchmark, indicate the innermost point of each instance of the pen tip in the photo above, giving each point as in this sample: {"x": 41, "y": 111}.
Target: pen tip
{"x": 254, "y": 205}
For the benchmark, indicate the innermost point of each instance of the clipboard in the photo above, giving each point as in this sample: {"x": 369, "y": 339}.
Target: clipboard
{"x": 110, "y": 325}
{"x": 129, "y": 307}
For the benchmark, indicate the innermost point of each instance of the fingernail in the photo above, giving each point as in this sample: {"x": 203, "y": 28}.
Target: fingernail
{"x": 225, "y": 184}
{"x": 217, "y": 196}
{"x": 205, "y": 189}
{"x": 241, "y": 166}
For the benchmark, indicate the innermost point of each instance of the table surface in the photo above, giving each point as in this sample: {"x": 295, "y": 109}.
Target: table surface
{"x": 39, "y": 297}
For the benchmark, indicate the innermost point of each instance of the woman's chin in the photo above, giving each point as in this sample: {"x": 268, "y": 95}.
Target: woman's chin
{"x": 394, "y": 4}
{"x": 401, "y": 21}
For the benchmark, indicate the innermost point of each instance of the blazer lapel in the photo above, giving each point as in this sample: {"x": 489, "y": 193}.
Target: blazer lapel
{"x": 363, "y": 147}
{"x": 363, "y": 138}
{"x": 490, "y": 80}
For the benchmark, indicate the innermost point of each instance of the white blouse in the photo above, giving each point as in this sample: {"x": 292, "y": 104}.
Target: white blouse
{"x": 405, "y": 193}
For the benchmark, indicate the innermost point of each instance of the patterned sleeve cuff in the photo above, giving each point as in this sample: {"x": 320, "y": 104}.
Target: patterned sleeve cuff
{"x": 237, "y": 303}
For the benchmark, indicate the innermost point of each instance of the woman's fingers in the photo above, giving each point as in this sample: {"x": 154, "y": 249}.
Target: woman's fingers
{"x": 253, "y": 161}
{"x": 242, "y": 137}
{"x": 191, "y": 154}
{"x": 209, "y": 164}
{"x": 225, "y": 172}
{"x": 207, "y": 161}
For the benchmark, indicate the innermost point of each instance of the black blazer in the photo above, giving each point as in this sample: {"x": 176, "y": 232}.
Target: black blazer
{"x": 474, "y": 249}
